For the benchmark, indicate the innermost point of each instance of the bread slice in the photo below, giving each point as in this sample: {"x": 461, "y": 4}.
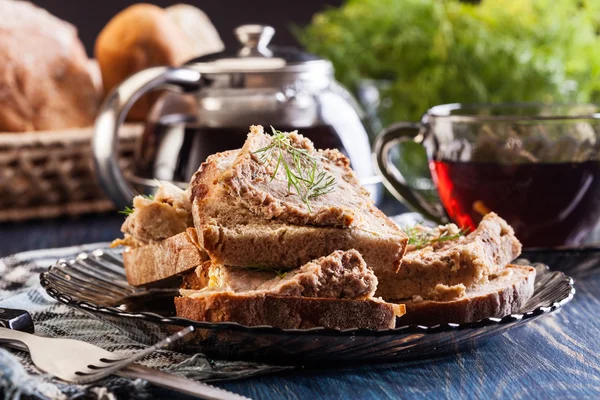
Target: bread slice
{"x": 258, "y": 180}
{"x": 159, "y": 238}
{"x": 161, "y": 260}
{"x": 289, "y": 312}
{"x": 342, "y": 274}
{"x": 334, "y": 291}
{"x": 157, "y": 218}
{"x": 233, "y": 235}
{"x": 456, "y": 264}
{"x": 504, "y": 294}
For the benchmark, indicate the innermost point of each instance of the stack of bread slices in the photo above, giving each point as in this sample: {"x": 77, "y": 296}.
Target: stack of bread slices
{"x": 279, "y": 233}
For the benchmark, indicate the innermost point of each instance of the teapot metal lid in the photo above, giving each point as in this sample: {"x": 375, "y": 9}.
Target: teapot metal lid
{"x": 256, "y": 56}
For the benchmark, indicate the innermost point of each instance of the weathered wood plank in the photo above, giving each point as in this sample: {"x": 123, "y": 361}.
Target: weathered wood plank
{"x": 557, "y": 356}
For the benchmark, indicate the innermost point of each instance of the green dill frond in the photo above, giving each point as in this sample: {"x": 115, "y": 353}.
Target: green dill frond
{"x": 281, "y": 274}
{"x": 302, "y": 170}
{"x": 420, "y": 238}
{"x": 127, "y": 211}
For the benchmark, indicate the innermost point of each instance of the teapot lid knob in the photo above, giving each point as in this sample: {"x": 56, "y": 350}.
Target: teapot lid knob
{"x": 255, "y": 36}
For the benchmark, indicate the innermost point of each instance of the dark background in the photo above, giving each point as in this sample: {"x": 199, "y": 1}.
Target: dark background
{"x": 91, "y": 16}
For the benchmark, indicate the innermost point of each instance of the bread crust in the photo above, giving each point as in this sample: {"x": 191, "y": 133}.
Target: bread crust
{"x": 511, "y": 295}
{"x": 232, "y": 235}
{"x": 46, "y": 79}
{"x": 196, "y": 26}
{"x": 139, "y": 37}
{"x": 164, "y": 259}
{"x": 288, "y": 312}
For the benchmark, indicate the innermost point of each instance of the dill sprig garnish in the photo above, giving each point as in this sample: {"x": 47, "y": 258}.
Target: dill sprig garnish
{"x": 419, "y": 237}
{"x": 302, "y": 172}
{"x": 129, "y": 210}
{"x": 281, "y": 274}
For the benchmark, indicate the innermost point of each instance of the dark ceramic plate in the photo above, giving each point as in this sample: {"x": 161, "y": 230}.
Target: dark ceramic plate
{"x": 95, "y": 283}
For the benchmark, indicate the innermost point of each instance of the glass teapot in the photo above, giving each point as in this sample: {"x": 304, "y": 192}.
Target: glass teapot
{"x": 210, "y": 104}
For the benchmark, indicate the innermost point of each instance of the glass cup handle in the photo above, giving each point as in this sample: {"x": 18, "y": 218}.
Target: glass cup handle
{"x": 392, "y": 177}
{"x": 112, "y": 114}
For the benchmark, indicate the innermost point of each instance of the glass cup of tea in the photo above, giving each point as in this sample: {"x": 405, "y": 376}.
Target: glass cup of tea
{"x": 537, "y": 166}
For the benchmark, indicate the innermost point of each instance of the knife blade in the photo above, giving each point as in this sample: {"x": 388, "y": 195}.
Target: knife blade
{"x": 21, "y": 320}
{"x": 178, "y": 383}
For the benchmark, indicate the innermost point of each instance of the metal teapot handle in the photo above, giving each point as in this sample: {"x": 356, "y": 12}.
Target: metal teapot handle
{"x": 112, "y": 114}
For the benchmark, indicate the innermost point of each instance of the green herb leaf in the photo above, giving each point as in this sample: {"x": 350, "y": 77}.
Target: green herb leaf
{"x": 127, "y": 211}
{"x": 281, "y": 274}
{"x": 420, "y": 237}
{"x": 303, "y": 172}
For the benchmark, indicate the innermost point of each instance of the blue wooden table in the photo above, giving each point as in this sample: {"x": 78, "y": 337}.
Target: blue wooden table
{"x": 555, "y": 357}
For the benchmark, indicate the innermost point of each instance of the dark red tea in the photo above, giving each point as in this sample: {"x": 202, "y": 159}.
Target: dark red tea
{"x": 547, "y": 204}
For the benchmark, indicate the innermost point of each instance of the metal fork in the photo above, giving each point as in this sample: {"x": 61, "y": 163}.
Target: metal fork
{"x": 76, "y": 361}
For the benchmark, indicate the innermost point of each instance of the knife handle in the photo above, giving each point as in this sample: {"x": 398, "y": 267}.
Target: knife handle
{"x": 19, "y": 320}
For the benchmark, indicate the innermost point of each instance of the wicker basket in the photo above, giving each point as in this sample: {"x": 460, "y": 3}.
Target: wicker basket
{"x": 48, "y": 174}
